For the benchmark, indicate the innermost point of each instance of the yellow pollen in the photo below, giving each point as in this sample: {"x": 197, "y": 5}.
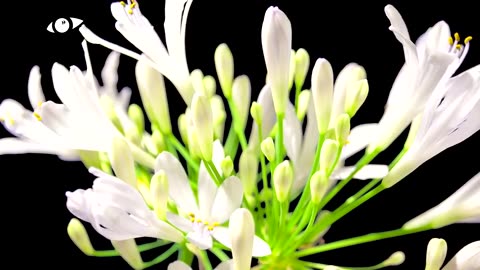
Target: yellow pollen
{"x": 450, "y": 40}
{"x": 205, "y": 223}
{"x": 130, "y": 11}
{"x": 198, "y": 220}
{"x": 122, "y": 3}
{"x": 192, "y": 215}
{"x": 39, "y": 118}
{"x": 210, "y": 228}
{"x": 215, "y": 224}
{"x": 457, "y": 37}
{"x": 39, "y": 104}
{"x": 467, "y": 39}
{"x": 11, "y": 121}
{"x": 458, "y": 46}
{"x": 132, "y": 5}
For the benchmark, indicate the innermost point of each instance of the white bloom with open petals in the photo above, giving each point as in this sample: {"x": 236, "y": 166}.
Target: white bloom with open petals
{"x": 117, "y": 211}
{"x": 77, "y": 124}
{"x": 203, "y": 221}
{"x": 451, "y": 116}
{"x": 463, "y": 206}
{"x": 429, "y": 62}
{"x": 137, "y": 29}
{"x": 468, "y": 258}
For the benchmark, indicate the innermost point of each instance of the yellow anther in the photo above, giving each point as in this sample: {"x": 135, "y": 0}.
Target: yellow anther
{"x": 11, "y": 121}
{"x": 192, "y": 215}
{"x": 458, "y": 46}
{"x": 122, "y": 3}
{"x": 39, "y": 104}
{"x": 450, "y": 40}
{"x": 210, "y": 228}
{"x": 457, "y": 37}
{"x": 198, "y": 220}
{"x": 467, "y": 39}
{"x": 130, "y": 11}
{"x": 133, "y": 4}
{"x": 39, "y": 118}
{"x": 205, "y": 223}
{"x": 347, "y": 142}
{"x": 215, "y": 224}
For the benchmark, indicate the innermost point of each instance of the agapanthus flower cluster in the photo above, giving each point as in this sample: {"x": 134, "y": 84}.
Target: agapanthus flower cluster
{"x": 258, "y": 193}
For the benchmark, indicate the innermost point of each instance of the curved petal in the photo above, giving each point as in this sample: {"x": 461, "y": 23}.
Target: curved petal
{"x": 359, "y": 138}
{"x": 180, "y": 222}
{"x": 227, "y": 265}
{"x": 371, "y": 171}
{"x": 292, "y": 133}
{"x": 178, "y": 265}
{"x": 228, "y": 198}
{"x": 468, "y": 258}
{"x": 18, "y": 146}
{"x": 179, "y": 185}
{"x": 206, "y": 191}
{"x": 79, "y": 204}
{"x": 260, "y": 247}
{"x": 202, "y": 239}
{"x": 35, "y": 92}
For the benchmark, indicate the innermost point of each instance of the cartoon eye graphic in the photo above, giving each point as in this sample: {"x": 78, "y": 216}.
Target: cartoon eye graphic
{"x": 63, "y": 25}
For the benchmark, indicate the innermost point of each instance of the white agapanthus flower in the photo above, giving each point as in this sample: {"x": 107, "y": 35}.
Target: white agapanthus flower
{"x": 451, "y": 116}
{"x": 138, "y": 30}
{"x": 77, "y": 124}
{"x": 430, "y": 61}
{"x": 118, "y": 211}
{"x": 463, "y": 206}
{"x": 468, "y": 258}
{"x": 203, "y": 220}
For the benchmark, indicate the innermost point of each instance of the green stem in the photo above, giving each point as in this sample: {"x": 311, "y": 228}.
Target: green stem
{"x": 360, "y": 164}
{"x": 279, "y": 139}
{"x": 212, "y": 170}
{"x": 203, "y": 259}
{"x": 141, "y": 248}
{"x": 322, "y": 266}
{"x": 162, "y": 257}
{"x": 185, "y": 255}
{"x": 220, "y": 254}
{"x": 298, "y": 88}
{"x": 183, "y": 151}
{"x": 237, "y": 124}
{"x": 359, "y": 240}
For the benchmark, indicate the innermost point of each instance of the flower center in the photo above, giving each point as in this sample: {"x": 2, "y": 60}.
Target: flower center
{"x": 131, "y": 5}
{"x": 202, "y": 225}
{"x": 459, "y": 49}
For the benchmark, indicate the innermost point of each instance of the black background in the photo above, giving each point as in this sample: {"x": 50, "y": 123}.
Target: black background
{"x": 34, "y": 213}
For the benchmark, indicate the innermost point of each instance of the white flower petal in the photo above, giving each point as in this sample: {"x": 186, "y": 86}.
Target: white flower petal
{"x": 260, "y": 247}
{"x": 399, "y": 29}
{"x": 227, "y": 265}
{"x": 79, "y": 204}
{"x": 468, "y": 258}
{"x": 292, "y": 133}
{"x": 35, "y": 92}
{"x": 179, "y": 185}
{"x": 268, "y": 118}
{"x": 228, "y": 198}
{"x": 180, "y": 222}
{"x": 206, "y": 192}
{"x": 218, "y": 154}
{"x": 18, "y": 146}
{"x": 371, "y": 171}
{"x": 202, "y": 240}
{"x": 178, "y": 265}
{"x": 359, "y": 138}
{"x": 109, "y": 73}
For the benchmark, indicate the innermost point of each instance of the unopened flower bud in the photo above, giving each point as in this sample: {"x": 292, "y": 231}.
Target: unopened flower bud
{"x": 183, "y": 128}
{"x": 224, "y": 66}
{"x": 132, "y": 135}
{"x": 227, "y": 166}
{"x": 256, "y": 110}
{"x": 135, "y": 114}
{"x": 356, "y": 95}
{"x": 349, "y": 75}
{"x": 319, "y": 184}
{"x": 210, "y": 85}
{"x": 241, "y": 94}
{"x": 79, "y": 236}
{"x": 122, "y": 162}
{"x": 322, "y": 93}
{"x": 277, "y": 46}
{"x": 436, "y": 253}
{"x": 303, "y": 103}
{"x": 395, "y": 259}
{"x": 292, "y": 70}
{"x": 283, "y": 180}
{"x": 158, "y": 140}
{"x": 268, "y": 149}
{"x": 196, "y": 77}
{"x": 302, "y": 63}
{"x": 129, "y": 252}
{"x": 328, "y": 154}
{"x": 219, "y": 116}
{"x": 247, "y": 171}
{"x": 159, "y": 193}
{"x": 342, "y": 129}
{"x": 242, "y": 232}
{"x": 203, "y": 124}
{"x": 152, "y": 91}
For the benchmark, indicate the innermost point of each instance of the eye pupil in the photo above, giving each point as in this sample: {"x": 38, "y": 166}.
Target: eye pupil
{"x": 62, "y": 25}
